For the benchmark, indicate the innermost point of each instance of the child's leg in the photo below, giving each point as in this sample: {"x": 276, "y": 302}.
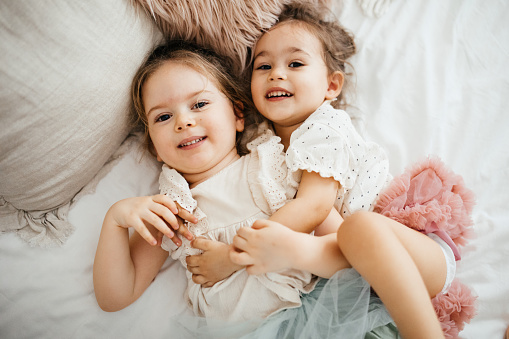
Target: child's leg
{"x": 404, "y": 267}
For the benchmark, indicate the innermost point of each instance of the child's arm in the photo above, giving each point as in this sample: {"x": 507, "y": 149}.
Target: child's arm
{"x": 313, "y": 204}
{"x": 262, "y": 249}
{"x": 123, "y": 267}
{"x": 312, "y": 209}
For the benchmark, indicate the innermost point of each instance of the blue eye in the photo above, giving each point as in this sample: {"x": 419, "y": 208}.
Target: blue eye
{"x": 163, "y": 117}
{"x": 200, "y": 104}
{"x": 295, "y": 64}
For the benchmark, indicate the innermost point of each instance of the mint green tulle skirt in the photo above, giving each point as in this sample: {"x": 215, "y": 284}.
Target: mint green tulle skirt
{"x": 340, "y": 307}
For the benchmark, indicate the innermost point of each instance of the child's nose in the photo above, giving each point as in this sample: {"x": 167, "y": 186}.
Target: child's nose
{"x": 277, "y": 74}
{"x": 184, "y": 121}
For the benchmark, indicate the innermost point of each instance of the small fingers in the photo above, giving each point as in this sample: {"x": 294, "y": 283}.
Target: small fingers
{"x": 165, "y": 214}
{"x": 262, "y": 223}
{"x": 141, "y": 228}
{"x": 175, "y": 208}
{"x": 240, "y": 243}
{"x": 174, "y": 215}
{"x": 201, "y": 244}
{"x": 186, "y": 215}
{"x": 166, "y": 201}
{"x": 184, "y": 231}
{"x": 159, "y": 238}
{"x": 176, "y": 240}
{"x": 245, "y": 233}
{"x": 192, "y": 260}
{"x": 155, "y": 219}
{"x": 241, "y": 258}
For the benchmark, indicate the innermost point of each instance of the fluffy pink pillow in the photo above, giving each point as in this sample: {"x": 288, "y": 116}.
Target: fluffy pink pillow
{"x": 229, "y": 27}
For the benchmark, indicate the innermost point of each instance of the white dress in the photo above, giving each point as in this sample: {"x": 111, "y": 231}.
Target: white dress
{"x": 327, "y": 143}
{"x": 251, "y": 188}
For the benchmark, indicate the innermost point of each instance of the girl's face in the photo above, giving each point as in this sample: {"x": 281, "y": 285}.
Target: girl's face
{"x": 192, "y": 124}
{"x": 290, "y": 79}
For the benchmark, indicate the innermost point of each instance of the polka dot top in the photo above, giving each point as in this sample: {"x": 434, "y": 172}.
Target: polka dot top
{"x": 328, "y": 144}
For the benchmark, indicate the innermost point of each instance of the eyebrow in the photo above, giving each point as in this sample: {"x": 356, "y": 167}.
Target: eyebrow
{"x": 289, "y": 50}
{"x": 187, "y": 98}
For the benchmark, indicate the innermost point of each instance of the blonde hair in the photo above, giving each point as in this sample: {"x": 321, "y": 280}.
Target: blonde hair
{"x": 337, "y": 43}
{"x": 205, "y": 62}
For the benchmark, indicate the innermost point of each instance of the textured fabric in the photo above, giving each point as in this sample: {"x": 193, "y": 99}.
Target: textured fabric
{"x": 328, "y": 144}
{"x": 374, "y": 8}
{"x": 340, "y": 307}
{"x": 65, "y": 74}
{"x": 229, "y": 27}
{"x": 383, "y": 332}
{"x": 430, "y": 198}
{"x": 222, "y": 206}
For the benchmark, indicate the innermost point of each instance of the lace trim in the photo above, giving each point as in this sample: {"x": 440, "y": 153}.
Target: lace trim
{"x": 267, "y": 172}
{"x": 199, "y": 229}
{"x": 173, "y": 184}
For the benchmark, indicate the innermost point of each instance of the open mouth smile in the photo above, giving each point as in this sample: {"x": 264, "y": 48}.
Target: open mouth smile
{"x": 188, "y": 143}
{"x": 278, "y": 93}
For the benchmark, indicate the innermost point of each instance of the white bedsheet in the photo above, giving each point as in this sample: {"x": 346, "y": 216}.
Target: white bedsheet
{"x": 432, "y": 78}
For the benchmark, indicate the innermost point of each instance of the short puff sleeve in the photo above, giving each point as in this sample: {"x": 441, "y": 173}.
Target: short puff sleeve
{"x": 267, "y": 172}
{"x": 322, "y": 144}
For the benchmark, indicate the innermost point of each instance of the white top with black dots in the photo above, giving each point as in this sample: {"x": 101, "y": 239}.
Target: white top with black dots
{"x": 328, "y": 144}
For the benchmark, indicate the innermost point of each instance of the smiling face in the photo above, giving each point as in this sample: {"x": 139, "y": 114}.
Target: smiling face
{"x": 290, "y": 79}
{"x": 191, "y": 123}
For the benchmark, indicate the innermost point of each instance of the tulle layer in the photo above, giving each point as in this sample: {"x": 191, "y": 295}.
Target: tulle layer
{"x": 340, "y": 307}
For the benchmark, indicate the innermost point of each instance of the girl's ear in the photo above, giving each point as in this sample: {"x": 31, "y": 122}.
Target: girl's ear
{"x": 335, "y": 85}
{"x": 238, "y": 109}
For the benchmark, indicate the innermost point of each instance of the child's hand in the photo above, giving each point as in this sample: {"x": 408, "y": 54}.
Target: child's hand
{"x": 265, "y": 247}
{"x": 158, "y": 211}
{"x": 213, "y": 264}
{"x": 183, "y": 215}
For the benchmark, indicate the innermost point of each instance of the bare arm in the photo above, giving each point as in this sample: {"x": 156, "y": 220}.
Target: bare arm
{"x": 123, "y": 267}
{"x": 312, "y": 205}
{"x": 312, "y": 209}
{"x": 262, "y": 249}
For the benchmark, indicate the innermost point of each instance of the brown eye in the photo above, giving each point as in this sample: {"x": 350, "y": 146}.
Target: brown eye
{"x": 264, "y": 67}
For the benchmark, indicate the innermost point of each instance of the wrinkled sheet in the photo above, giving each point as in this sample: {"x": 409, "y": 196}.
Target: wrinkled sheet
{"x": 431, "y": 78}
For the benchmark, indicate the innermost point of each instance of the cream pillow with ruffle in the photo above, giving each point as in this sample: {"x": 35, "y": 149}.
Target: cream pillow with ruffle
{"x": 65, "y": 73}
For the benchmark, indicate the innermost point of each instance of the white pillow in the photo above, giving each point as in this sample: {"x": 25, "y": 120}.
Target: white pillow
{"x": 65, "y": 74}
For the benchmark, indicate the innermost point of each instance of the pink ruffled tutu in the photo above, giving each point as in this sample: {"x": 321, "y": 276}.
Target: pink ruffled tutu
{"x": 432, "y": 199}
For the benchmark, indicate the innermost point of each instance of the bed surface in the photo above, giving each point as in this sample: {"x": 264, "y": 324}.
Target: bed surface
{"x": 432, "y": 78}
